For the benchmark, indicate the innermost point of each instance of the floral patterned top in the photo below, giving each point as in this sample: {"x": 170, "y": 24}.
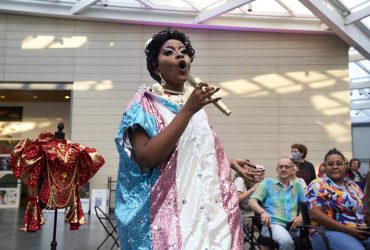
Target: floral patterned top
{"x": 343, "y": 203}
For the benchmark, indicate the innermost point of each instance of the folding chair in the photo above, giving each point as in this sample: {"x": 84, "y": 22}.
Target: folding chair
{"x": 258, "y": 241}
{"x": 109, "y": 227}
{"x": 304, "y": 241}
{"x": 250, "y": 237}
{"x": 301, "y": 243}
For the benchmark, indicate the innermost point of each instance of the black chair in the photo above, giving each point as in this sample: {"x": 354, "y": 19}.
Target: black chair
{"x": 254, "y": 237}
{"x": 258, "y": 241}
{"x": 250, "y": 236}
{"x": 301, "y": 243}
{"x": 304, "y": 241}
{"x": 109, "y": 227}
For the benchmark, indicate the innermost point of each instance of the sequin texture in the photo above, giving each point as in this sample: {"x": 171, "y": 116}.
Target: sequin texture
{"x": 174, "y": 205}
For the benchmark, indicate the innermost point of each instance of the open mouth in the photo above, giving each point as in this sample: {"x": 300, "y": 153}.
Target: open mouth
{"x": 182, "y": 64}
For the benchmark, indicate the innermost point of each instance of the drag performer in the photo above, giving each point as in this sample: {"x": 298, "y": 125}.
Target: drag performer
{"x": 174, "y": 188}
{"x": 64, "y": 167}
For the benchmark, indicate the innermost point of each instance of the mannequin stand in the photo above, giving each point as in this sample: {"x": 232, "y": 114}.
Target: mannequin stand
{"x": 54, "y": 243}
{"x": 60, "y": 135}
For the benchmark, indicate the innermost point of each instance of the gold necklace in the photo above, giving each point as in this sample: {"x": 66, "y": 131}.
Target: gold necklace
{"x": 52, "y": 200}
{"x": 56, "y": 184}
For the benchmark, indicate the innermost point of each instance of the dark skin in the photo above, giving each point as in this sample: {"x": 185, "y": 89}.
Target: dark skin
{"x": 149, "y": 152}
{"x": 337, "y": 173}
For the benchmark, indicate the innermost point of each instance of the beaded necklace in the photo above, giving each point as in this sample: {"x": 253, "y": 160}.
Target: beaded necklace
{"x": 173, "y": 91}
{"x": 177, "y": 97}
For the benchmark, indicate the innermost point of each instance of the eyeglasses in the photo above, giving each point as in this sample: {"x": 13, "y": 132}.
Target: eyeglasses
{"x": 337, "y": 163}
{"x": 284, "y": 166}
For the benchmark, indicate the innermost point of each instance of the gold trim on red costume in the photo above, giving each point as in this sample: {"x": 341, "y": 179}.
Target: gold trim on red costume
{"x": 65, "y": 166}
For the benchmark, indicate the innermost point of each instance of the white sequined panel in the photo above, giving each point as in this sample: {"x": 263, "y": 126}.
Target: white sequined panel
{"x": 203, "y": 220}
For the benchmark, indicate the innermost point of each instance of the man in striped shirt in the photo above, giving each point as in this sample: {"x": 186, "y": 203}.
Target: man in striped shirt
{"x": 277, "y": 200}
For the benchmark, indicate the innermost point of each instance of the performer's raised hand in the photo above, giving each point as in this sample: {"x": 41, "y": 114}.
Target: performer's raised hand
{"x": 201, "y": 96}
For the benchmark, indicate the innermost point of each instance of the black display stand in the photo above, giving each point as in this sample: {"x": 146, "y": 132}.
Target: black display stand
{"x": 60, "y": 135}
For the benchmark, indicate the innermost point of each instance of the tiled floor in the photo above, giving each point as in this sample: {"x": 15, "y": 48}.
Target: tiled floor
{"x": 89, "y": 236}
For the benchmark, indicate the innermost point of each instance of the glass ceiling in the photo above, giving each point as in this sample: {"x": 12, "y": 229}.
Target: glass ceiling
{"x": 346, "y": 18}
{"x": 260, "y": 7}
{"x": 359, "y": 66}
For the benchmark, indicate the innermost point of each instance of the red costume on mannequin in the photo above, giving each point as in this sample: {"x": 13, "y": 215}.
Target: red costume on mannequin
{"x": 65, "y": 166}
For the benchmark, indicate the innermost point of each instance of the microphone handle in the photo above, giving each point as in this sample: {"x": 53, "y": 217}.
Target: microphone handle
{"x": 222, "y": 107}
{"x": 195, "y": 80}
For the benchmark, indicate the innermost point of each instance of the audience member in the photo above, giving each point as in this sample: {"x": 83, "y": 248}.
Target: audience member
{"x": 367, "y": 197}
{"x": 354, "y": 174}
{"x": 293, "y": 176}
{"x": 306, "y": 170}
{"x": 336, "y": 204}
{"x": 321, "y": 171}
{"x": 276, "y": 200}
{"x": 245, "y": 188}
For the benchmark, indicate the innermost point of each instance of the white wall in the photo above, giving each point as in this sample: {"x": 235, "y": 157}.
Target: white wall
{"x": 281, "y": 88}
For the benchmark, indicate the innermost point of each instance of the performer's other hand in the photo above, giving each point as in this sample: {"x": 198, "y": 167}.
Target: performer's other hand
{"x": 244, "y": 168}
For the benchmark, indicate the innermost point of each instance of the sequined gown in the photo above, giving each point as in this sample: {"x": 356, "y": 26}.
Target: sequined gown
{"x": 62, "y": 167}
{"x": 188, "y": 201}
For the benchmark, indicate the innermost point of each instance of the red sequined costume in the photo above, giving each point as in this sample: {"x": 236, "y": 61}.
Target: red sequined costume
{"x": 64, "y": 165}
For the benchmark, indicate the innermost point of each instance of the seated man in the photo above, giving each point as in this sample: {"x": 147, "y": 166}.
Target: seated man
{"x": 279, "y": 198}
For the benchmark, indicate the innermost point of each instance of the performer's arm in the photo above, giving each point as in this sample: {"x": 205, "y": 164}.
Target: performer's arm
{"x": 149, "y": 152}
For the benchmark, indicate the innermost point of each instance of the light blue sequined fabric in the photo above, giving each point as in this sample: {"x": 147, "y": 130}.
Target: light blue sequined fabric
{"x": 133, "y": 186}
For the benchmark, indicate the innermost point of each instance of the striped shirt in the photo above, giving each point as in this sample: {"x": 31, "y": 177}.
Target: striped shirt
{"x": 279, "y": 202}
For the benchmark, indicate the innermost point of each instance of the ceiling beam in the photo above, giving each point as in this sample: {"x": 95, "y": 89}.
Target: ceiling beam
{"x": 358, "y": 15}
{"x": 359, "y": 120}
{"x": 363, "y": 67}
{"x": 147, "y": 4}
{"x": 365, "y": 93}
{"x": 351, "y": 34}
{"x": 82, "y": 5}
{"x": 156, "y": 17}
{"x": 219, "y": 10}
{"x": 193, "y": 5}
{"x": 355, "y": 56}
{"x": 359, "y": 83}
{"x": 362, "y": 105}
{"x": 285, "y": 7}
{"x": 366, "y": 111}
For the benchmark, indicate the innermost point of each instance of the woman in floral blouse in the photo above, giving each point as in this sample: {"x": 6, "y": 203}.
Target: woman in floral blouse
{"x": 336, "y": 204}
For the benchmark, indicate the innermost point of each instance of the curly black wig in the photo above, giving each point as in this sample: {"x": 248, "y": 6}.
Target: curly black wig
{"x": 153, "y": 48}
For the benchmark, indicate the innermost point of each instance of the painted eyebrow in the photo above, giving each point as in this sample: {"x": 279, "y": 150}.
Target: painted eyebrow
{"x": 173, "y": 47}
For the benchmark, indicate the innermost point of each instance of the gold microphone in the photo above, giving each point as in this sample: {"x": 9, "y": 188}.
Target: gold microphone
{"x": 194, "y": 81}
